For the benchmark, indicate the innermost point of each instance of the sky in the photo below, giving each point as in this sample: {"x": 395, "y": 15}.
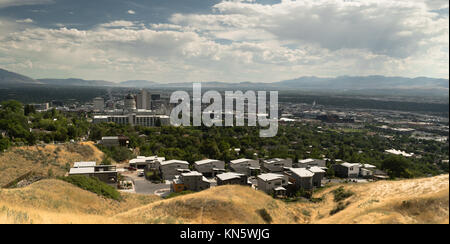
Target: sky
{"x": 224, "y": 40}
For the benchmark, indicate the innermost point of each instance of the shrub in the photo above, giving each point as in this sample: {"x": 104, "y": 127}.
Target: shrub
{"x": 93, "y": 185}
{"x": 341, "y": 206}
{"x": 265, "y": 215}
{"x": 177, "y": 194}
{"x": 341, "y": 194}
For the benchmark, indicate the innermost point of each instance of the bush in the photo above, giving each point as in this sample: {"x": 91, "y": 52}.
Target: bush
{"x": 341, "y": 206}
{"x": 265, "y": 215}
{"x": 93, "y": 185}
{"x": 177, "y": 194}
{"x": 341, "y": 194}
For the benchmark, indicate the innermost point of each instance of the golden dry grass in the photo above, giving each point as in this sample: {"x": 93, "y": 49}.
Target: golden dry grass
{"x": 407, "y": 201}
{"x": 55, "y": 201}
{"x": 19, "y": 161}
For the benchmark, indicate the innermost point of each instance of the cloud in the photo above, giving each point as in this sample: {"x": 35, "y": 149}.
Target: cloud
{"x": 11, "y": 3}
{"x": 131, "y": 11}
{"x": 25, "y": 21}
{"x": 245, "y": 41}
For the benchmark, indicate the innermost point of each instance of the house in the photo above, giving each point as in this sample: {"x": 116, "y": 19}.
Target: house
{"x": 277, "y": 164}
{"x": 366, "y": 170}
{"x": 347, "y": 170}
{"x": 115, "y": 141}
{"x": 273, "y": 183}
{"x": 245, "y": 166}
{"x": 210, "y": 167}
{"x": 192, "y": 181}
{"x": 301, "y": 178}
{"x": 105, "y": 173}
{"x": 150, "y": 163}
{"x": 319, "y": 173}
{"x": 231, "y": 178}
{"x": 310, "y": 162}
{"x": 169, "y": 169}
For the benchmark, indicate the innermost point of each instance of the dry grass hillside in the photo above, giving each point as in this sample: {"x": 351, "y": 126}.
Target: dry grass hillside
{"x": 55, "y": 201}
{"x": 44, "y": 160}
{"x": 407, "y": 201}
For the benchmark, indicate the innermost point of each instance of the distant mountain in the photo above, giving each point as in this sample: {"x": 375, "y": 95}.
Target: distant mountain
{"x": 11, "y": 78}
{"x": 138, "y": 83}
{"x": 365, "y": 82}
{"x": 76, "y": 82}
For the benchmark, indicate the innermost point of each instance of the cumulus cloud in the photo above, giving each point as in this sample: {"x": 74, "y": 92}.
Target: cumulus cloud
{"x": 131, "y": 11}
{"x": 25, "y": 21}
{"x": 246, "y": 41}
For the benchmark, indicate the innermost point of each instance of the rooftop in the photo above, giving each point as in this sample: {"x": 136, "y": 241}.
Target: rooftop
{"x": 75, "y": 171}
{"x": 316, "y": 170}
{"x": 193, "y": 173}
{"x": 270, "y": 177}
{"x": 84, "y": 164}
{"x": 174, "y": 162}
{"x": 302, "y": 172}
{"x": 229, "y": 176}
{"x": 242, "y": 160}
{"x": 205, "y": 161}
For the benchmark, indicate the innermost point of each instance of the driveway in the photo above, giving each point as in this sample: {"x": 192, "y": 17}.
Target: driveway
{"x": 143, "y": 186}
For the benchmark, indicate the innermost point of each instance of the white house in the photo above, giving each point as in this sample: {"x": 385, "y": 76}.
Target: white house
{"x": 302, "y": 178}
{"x": 347, "y": 170}
{"x": 310, "y": 162}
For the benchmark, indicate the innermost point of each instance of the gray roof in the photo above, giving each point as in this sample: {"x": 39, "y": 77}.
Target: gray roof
{"x": 229, "y": 176}
{"x": 301, "y": 172}
{"x": 316, "y": 170}
{"x": 206, "y": 161}
{"x": 174, "y": 162}
{"x": 270, "y": 177}
{"x": 84, "y": 164}
{"x": 76, "y": 171}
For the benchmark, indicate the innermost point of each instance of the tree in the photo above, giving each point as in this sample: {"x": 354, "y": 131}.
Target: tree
{"x": 397, "y": 166}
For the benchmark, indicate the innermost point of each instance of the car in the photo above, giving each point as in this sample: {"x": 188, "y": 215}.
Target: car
{"x": 131, "y": 169}
{"x": 141, "y": 173}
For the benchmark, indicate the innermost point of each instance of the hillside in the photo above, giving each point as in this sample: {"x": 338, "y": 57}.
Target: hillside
{"x": 44, "y": 160}
{"x": 407, "y": 201}
{"x": 11, "y": 78}
{"x": 58, "y": 202}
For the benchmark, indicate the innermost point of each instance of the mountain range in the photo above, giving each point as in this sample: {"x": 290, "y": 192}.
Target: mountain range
{"x": 375, "y": 84}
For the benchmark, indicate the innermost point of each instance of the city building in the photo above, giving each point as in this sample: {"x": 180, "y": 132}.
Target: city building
{"x": 143, "y": 100}
{"x": 130, "y": 103}
{"x": 99, "y": 104}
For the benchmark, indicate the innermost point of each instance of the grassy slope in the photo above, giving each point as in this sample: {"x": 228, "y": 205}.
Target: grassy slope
{"x": 21, "y": 160}
{"x": 409, "y": 201}
{"x": 55, "y": 201}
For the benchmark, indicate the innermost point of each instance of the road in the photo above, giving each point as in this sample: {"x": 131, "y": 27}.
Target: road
{"x": 143, "y": 186}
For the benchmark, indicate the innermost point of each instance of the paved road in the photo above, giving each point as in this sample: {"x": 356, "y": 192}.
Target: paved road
{"x": 143, "y": 186}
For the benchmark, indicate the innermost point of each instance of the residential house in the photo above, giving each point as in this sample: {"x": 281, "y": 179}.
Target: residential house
{"x": 366, "y": 170}
{"x": 245, "y": 166}
{"x": 231, "y": 178}
{"x": 301, "y": 178}
{"x": 273, "y": 183}
{"x": 347, "y": 170}
{"x": 210, "y": 167}
{"x": 149, "y": 163}
{"x": 319, "y": 173}
{"x": 276, "y": 165}
{"x": 114, "y": 141}
{"x": 105, "y": 173}
{"x": 192, "y": 181}
{"x": 310, "y": 162}
{"x": 169, "y": 169}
